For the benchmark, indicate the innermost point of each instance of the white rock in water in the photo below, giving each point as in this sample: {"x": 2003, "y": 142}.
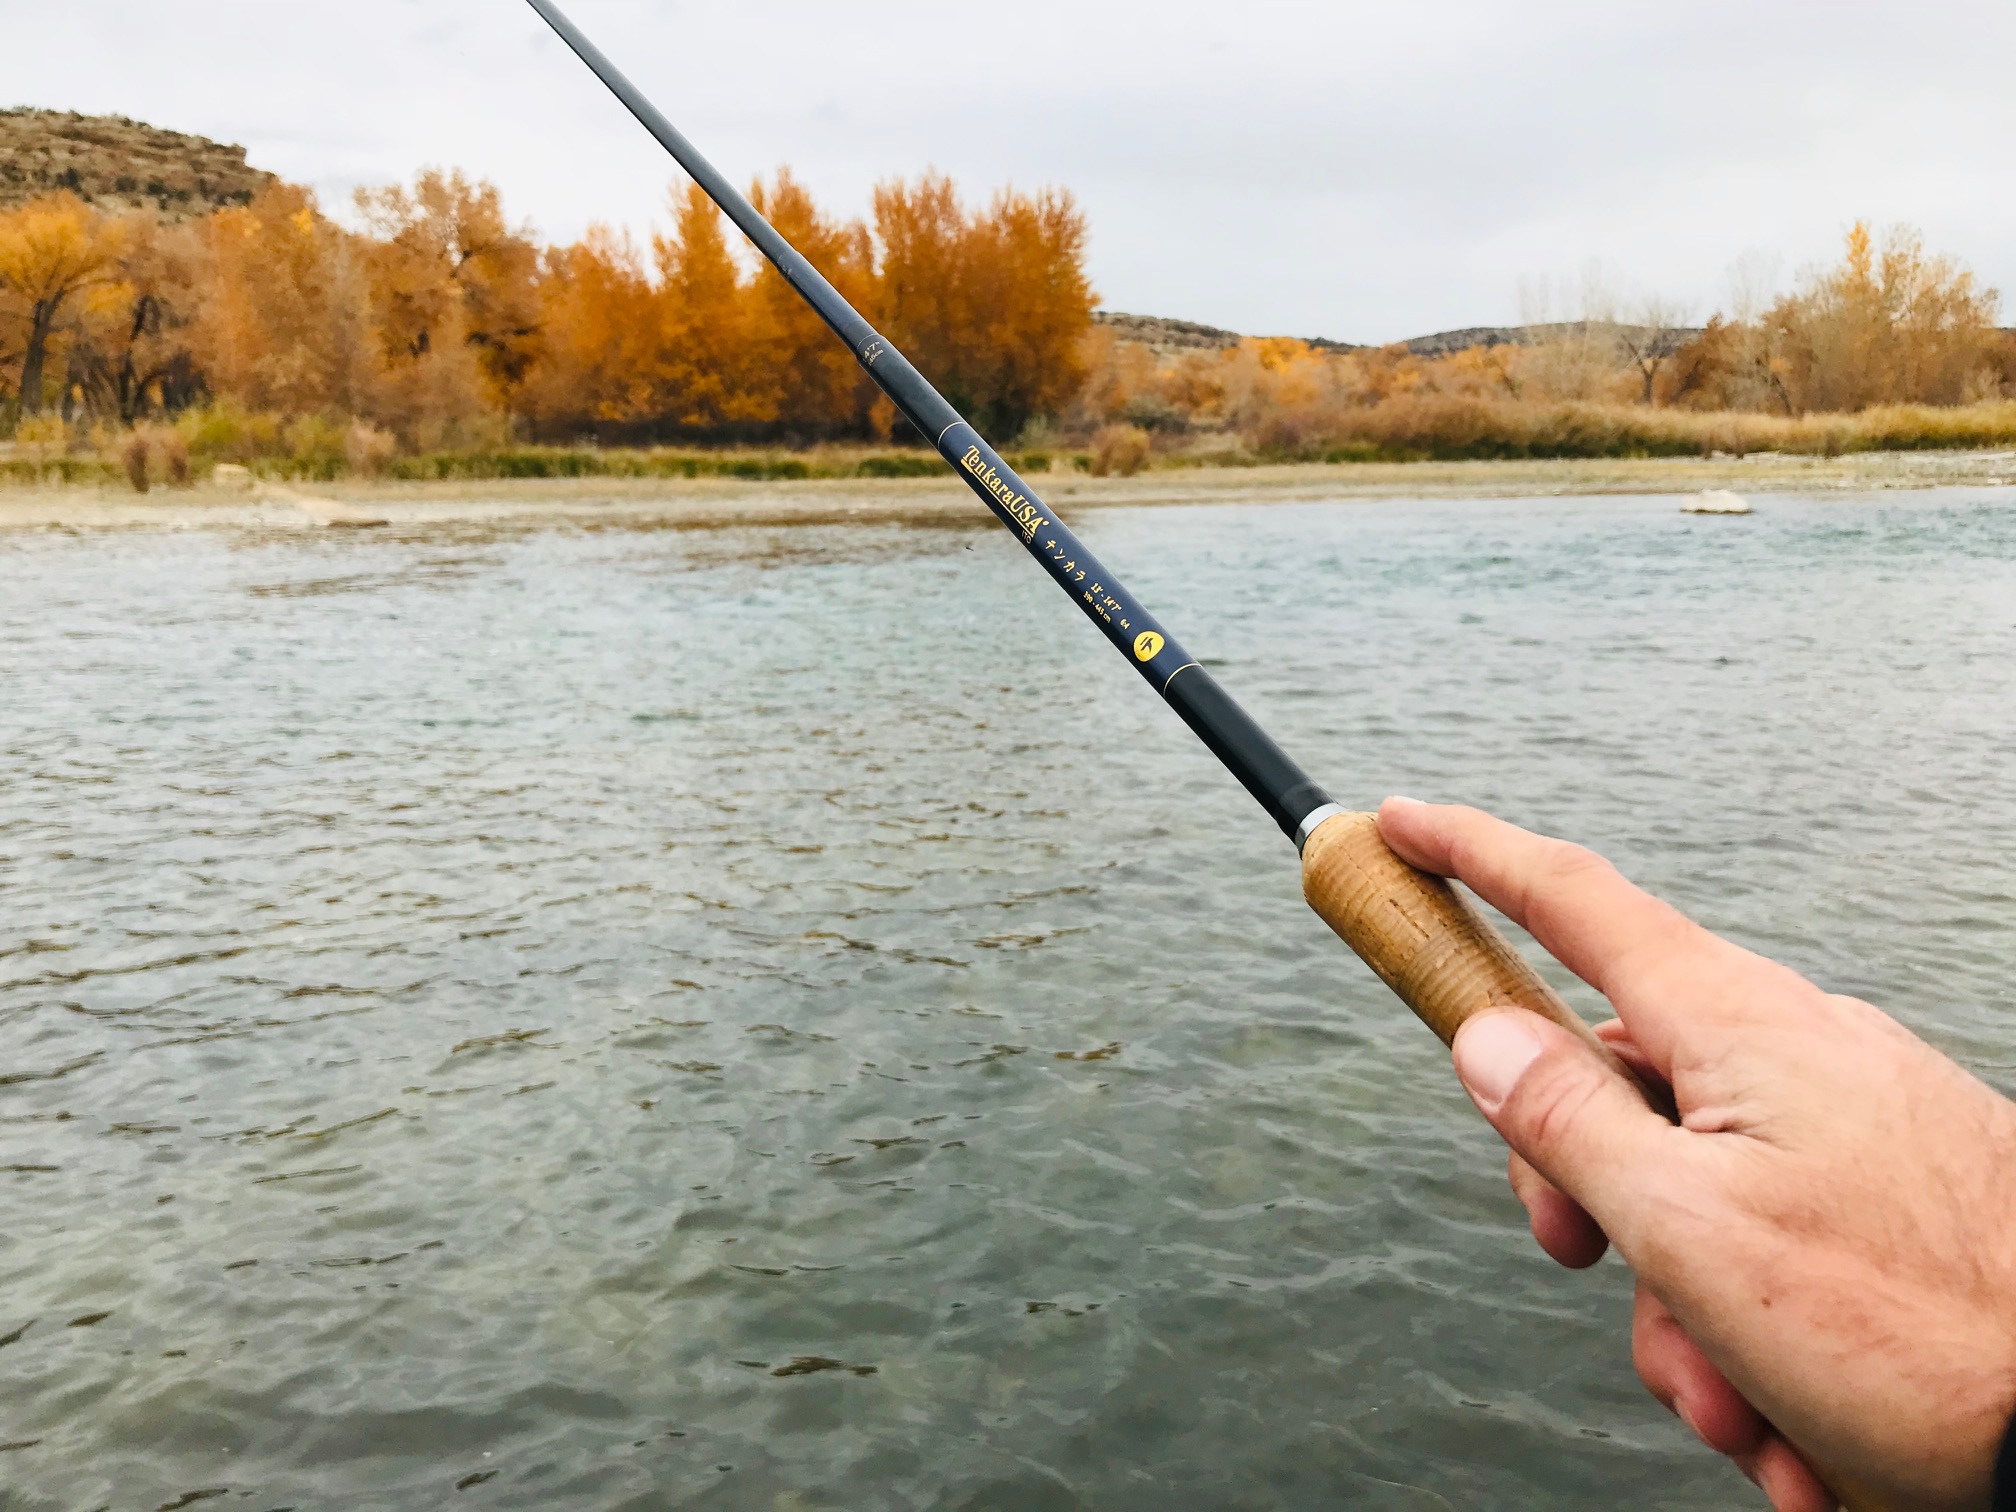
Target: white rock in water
{"x": 1716, "y": 501}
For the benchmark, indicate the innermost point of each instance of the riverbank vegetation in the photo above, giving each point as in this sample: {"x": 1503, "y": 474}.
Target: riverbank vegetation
{"x": 1893, "y": 348}
{"x": 431, "y": 338}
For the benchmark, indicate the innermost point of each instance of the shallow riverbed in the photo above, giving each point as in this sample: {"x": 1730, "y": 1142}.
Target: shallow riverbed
{"x": 781, "y": 1018}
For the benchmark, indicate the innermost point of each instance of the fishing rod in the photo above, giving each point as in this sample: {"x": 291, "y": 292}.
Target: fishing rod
{"x": 1424, "y": 939}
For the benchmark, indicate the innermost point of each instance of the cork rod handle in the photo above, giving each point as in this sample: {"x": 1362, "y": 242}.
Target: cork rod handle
{"x": 1425, "y": 940}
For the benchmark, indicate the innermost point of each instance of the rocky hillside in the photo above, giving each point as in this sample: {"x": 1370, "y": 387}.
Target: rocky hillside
{"x": 119, "y": 164}
{"x": 1168, "y": 337}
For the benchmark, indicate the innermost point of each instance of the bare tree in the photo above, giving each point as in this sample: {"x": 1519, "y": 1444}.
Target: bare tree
{"x": 1568, "y": 334}
{"x": 1657, "y": 329}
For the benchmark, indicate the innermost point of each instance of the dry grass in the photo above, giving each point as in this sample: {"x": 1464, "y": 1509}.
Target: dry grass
{"x": 1451, "y": 429}
{"x": 133, "y": 456}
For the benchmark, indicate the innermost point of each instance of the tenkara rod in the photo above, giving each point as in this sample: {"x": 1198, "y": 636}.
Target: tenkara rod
{"x": 1425, "y": 940}
{"x": 1282, "y": 787}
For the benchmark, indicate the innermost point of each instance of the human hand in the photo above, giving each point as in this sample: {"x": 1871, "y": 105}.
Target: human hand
{"x": 1825, "y": 1244}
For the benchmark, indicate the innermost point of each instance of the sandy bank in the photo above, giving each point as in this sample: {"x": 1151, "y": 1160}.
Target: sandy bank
{"x": 647, "y": 504}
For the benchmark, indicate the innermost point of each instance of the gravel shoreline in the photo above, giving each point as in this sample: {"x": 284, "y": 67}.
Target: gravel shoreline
{"x": 648, "y": 504}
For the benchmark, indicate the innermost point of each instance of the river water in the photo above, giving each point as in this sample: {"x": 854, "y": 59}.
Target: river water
{"x": 783, "y": 1019}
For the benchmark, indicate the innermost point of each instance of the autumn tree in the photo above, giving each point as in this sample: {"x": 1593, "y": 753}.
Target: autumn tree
{"x": 282, "y": 321}
{"x": 1890, "y": 324}
{"x": 1705, "y": 369}
{"x": 1125, "y": 378}
{"x": 54, "y": 253}
{"x": 994, "y": 306}
{"x": 1034, "y": 303}
{"x": 453, "y": 268}
{"x": 450, "y": 290}
{"x": 694, "y": 344}
{"x": 590, "y": 366}
{"x": 821, "y": 388}
{"x": 130, "y": 355}
{"x": 920, "y": 233}
{"x": 708, "y": 373}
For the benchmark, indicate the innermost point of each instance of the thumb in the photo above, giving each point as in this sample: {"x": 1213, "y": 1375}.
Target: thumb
{"x": 1572, "y": 1117}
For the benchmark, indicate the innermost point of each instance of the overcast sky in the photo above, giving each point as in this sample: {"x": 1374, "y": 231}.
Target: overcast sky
{"x": 1360, "y": 169}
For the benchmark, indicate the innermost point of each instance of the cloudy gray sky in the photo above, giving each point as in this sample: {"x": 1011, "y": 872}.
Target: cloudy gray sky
{"x": 1361, "y": 169}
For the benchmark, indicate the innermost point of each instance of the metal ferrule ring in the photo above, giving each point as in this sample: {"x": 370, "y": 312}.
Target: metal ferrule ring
{"x": 1315, "y": 821}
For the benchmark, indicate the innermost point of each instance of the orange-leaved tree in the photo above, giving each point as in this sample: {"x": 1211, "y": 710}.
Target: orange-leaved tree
{"x": 707, "y": 373}
{"x": 452, "y": 298}
{"x": 993, "y": 306}
{"x": 597, "y": 318}
{"x": 1027, "y": 286}
{"x": 1891, "y": 324}
{"x": 129, "y": 353}
{"x": 822, "y": 390}
{"x": 453, "y": 267}
{"x": 54, "y": 252}
{"x": 282, "y": 323}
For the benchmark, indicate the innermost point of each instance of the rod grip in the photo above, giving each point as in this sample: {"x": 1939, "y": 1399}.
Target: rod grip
{"x": 1426, "y": 941}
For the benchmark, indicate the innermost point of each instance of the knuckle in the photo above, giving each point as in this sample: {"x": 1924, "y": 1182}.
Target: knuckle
{"x": 1469, "y": 833}
{"x": 1555, "y": 1100}
{"x": 1564, "y": 865}
{"x": 1560, "y": 873}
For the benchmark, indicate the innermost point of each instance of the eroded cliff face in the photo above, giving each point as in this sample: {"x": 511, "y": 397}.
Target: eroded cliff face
{"x": 119, "y": 164}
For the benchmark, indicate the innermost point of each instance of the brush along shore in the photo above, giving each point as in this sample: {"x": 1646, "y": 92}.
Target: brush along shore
{"x": 679, "y": 502}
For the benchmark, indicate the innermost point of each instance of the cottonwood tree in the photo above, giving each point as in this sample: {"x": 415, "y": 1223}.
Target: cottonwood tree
{"x": 994, "y": 304}
{"x": 1890, "y": 324}
{"x": 597, "y": 312}
{"x": 129, "y": 355}
{"x": 706, "y": 373}
{"x": 282, "y": 320}
{"x": 449, "y": 270}
{"x": 54, "y": 253}
{"x": 823, "y": 390}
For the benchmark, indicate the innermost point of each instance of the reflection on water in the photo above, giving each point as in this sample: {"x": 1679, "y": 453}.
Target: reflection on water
{"x": 782, "y": 1020}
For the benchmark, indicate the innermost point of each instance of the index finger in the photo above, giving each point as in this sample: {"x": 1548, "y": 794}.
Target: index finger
{"x": 1630, "y": 946}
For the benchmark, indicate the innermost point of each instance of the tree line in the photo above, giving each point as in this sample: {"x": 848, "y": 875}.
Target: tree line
{"x": 440, "y": 323}
{"x": 432, "y": 324}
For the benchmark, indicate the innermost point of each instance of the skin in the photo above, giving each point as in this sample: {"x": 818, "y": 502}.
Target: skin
{"x": 1824, "y": 1244}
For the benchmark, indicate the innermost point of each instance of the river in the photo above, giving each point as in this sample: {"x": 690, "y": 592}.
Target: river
{"x": 783, "y": 1019}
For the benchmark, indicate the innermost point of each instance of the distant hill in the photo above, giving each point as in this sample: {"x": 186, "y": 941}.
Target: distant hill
{"x": 1167, "y": 336}
{"x": 118, "y": 164}
{"x": 1443, "y": 343}
{"x": 1173, "y": 336}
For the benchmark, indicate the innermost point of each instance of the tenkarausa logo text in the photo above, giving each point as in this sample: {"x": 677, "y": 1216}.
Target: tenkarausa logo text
{"x": 1028, "y": 519}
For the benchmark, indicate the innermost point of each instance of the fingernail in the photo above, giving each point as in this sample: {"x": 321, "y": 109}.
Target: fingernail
{"x": 1403, "y": 798}
{"x": 1493, "y": 1051}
